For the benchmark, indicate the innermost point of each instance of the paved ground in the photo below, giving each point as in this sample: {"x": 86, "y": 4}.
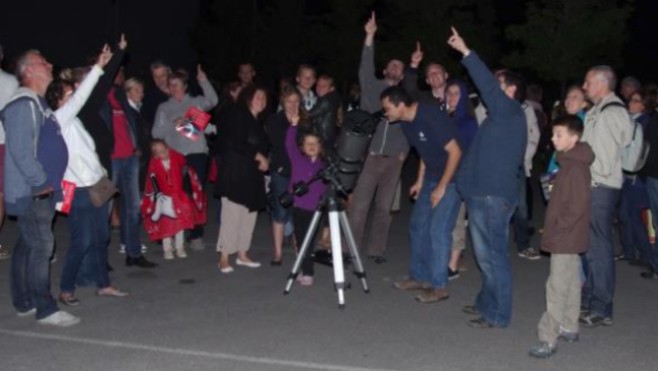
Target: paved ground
{"x": 186, "y": 315}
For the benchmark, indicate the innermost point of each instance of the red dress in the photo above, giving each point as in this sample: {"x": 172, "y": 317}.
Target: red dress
{"x": 189, "y": 212}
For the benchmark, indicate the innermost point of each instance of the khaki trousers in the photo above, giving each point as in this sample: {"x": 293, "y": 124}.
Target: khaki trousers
{"x": 237, "y": 227}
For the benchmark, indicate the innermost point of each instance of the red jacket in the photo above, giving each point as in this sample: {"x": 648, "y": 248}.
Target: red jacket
{"x": 566, "y": 224}
{"x": 189, "y": 212}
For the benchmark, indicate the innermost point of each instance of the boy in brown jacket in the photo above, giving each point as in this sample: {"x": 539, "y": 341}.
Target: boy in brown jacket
{"x": 566, "y": 234}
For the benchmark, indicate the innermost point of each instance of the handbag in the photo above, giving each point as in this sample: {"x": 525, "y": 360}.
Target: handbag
{"x": 164, "y": 205}
{"x": 102, "y": 191}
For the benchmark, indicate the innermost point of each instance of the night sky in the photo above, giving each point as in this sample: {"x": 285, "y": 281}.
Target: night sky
{"x": 67, "y": 31}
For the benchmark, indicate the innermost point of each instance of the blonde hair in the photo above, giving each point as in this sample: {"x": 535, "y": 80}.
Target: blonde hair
{"x": 131, "y": 83}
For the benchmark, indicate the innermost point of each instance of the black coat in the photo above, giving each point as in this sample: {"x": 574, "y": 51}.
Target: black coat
{"x": 277, "y": 128}
{"x": 238, "y": 177}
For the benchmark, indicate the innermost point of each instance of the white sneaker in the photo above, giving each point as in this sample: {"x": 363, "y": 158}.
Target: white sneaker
{"x": 168, "y": 255}
{"x": 144, "y": 248}
{"x": 181, "y": 253}
{"x": 249, "y": 264}
{"x": 60, "y": 319}
{"x": 27, "y": 313}
{"x": 122, "y": 249}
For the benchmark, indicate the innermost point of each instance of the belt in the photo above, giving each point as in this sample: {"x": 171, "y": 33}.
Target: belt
{"x": 42, "y": 196}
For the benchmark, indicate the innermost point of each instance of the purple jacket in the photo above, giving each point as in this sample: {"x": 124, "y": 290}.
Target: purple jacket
{"x": 302, "y": 170}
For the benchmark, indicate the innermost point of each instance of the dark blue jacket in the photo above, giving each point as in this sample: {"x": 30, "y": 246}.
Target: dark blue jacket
{"x": 493, "y": 165}
{"x": 131, "y": 116}
{"x": 467, "y": 125}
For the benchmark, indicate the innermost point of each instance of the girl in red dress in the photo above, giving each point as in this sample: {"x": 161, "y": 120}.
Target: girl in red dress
{"x": 173, "y": 199}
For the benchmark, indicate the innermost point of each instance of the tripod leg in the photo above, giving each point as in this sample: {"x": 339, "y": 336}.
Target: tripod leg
{"x": 310, "y": 232}
{"x": 358, "y": 265}
{"x": 337, "y": 256}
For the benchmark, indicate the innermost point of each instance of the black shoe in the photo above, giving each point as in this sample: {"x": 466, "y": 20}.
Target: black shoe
{"x": 276, "y": 263}
{"x": 453, "y": 274}
{"x": 650, "y": 275}
{"x": 109, "y": 268}
{"x": 594, "y": 320}
{"x": 377, "y": 259}
{"x": 479, "y": 323}
{"x": 470, "y": 309}
{"x": 140, "y": 262}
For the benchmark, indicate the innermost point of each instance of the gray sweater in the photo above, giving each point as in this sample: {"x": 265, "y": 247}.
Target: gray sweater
{"x": 168, "y": 112}
{"x": 388, "y": 139}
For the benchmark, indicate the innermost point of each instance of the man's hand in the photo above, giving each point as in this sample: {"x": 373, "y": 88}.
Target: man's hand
{"x": 200, "y": 74}
{"x": 457, "y": 43}
{"x": 104, "y": 57}
{"x": 123, "y": 44}
{"x": 437, "y": 195}
{"x": 414, "y": 191}
{"x": 371, "y": 25}
{"x": 263, "y": 162}
{"x": 416, "y": 56}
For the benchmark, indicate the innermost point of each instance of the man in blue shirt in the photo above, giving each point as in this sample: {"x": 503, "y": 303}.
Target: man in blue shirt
{"x": 434, "y": 135}
{"x": 488, "y": 179}
{"x": 35, "y": 162}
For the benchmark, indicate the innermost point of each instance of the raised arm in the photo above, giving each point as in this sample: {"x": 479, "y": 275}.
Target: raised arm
{"x": 367, "y": 67}
{"x": 410, "y": 81}
{"x": 210, "y": 98}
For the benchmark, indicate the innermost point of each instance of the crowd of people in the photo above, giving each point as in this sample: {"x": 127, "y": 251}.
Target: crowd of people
{"x": 88, "y": 141}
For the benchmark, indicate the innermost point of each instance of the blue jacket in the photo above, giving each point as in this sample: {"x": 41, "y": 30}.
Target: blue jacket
{"x": 24, "y": 175}
{"x": 106, "y": 116}
{"x": 467, "y": 125}
{"x": 493, "y": 165}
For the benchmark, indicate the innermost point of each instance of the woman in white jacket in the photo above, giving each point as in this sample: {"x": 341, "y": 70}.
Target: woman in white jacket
{"x": 88, "y": 224}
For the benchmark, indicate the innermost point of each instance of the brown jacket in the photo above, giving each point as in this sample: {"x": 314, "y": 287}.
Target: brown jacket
{"x": 566, "y": 225}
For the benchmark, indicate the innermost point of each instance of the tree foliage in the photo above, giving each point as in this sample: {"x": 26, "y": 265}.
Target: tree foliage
{"x": 561, "y": 38}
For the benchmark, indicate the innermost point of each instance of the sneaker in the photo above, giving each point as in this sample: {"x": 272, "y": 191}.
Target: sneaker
{"x": 409, "y": 285}
{"x": 453, "y": 274}
{"x": 529, "y": 254}
{"x": 27, "y": 313}
{"x": 543, "y": 350}
{"x": 305, "y": 280}
{"x": 168, "y": 255}
{"x": 649, "y": 275}
{"x": 593, "y": 320}
{"x": 144, "y": 248}
{"x": 479, "y": 323}
{"x": 181, "y": 253}
{"x": 122, "y": 249}
{"x": 4, "y": 253}
{"x": 470, "y": 309}
{"x": 197, "y": 244}
{"x": 568, "y": 336}
{"x": 60, "y": 319}
{"x": 428, "y": 296}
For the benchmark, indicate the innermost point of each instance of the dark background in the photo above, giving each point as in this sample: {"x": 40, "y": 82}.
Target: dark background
{"x": 68, "y": 31}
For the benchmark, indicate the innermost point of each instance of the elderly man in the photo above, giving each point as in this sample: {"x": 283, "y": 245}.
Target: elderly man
{"x": 158, "y": 93}
{"x": 608, "y": 129}
{"x": 36, "y": 159}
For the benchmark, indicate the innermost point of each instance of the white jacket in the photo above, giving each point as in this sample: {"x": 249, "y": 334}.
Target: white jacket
{"x": 84, "y": 168}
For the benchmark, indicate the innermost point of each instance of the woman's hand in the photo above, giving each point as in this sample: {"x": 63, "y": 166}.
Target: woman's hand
{"x": 104, "y": 57}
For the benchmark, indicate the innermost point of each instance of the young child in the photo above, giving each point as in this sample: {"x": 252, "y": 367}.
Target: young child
{"x": 566, "y": 234}
{"x": 168, "y": 168}
{"x": 305, "y": 162}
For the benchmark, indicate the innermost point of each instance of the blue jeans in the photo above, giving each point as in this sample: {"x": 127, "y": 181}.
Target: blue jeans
{"x": 430, "y": 235}
{"x": 89, "y": 232}
{"x": 599, "y": 287}
{"x": 652, "y": 190}
{"x": 30, "y": 262}
{"x": 278, "y": 186}
{"x": 634, "y": 237}
{"x": 125, "y": 175}
{"x": 520, "y": 220}
{"x": 488, "y": 222}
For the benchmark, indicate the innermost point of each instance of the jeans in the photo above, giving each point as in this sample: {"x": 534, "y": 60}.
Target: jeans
{"x": 652, "y": 190}
{"x": 634, "y": 237}
{"x": 125, "y": 175}
{"x": 90, "y": 236}
{"x": 30, "y": 262}
{"x": 488, "y": 222}
{"x": 198, "y": 162}
{"x": 599, "y": 287}
{"x": 430, "y": 235}
{"x": 278, "y": 186}
{"x": 520, "y": 220}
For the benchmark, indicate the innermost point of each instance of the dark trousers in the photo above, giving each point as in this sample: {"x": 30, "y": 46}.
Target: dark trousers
{"x": 301, "y": 220}
{"x": 198, "y": 162}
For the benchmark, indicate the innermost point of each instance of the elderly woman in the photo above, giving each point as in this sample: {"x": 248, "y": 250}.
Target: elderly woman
{"x": 240, "y": 182}
{"x": 170, "y": 114}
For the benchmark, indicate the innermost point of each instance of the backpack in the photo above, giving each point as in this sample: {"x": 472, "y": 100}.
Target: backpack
{"x": 634, "y": 155}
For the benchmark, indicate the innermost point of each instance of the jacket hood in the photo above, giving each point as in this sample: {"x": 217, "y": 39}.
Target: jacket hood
{"x": 581, "y": 153}
{"x": 461, "y": 110}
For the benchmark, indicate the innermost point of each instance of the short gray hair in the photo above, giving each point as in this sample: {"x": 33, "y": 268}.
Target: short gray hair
{"x": 23, "y": 61}
{"x": 607, "y": 74}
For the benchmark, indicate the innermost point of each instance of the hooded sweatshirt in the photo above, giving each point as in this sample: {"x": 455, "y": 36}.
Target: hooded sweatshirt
{"x": 467, "y": 126}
